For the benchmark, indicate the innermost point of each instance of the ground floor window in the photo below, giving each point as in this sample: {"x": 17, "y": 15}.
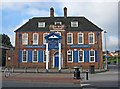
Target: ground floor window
{"x": 70, "y": 56}
{"x": 24, "y": 55}
{"x": 92, "y": 55}
{"x": 81, "y": 56}
{"x": 44, "y": 57}
{"x": 35, "y": 56}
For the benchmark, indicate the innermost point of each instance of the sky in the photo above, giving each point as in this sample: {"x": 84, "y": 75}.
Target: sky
{"x": 103, "y": 13}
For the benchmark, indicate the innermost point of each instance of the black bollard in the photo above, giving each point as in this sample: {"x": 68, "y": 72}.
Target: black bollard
{"x": 86, "y": 75}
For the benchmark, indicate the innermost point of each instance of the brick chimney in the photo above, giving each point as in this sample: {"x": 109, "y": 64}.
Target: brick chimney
{"x": 51, "y": 12}
{"x": 65, "y": 12}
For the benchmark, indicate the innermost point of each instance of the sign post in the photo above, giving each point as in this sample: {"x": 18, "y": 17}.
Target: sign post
{"x": 47, "y": 57}
{"x": 59, "y": 57}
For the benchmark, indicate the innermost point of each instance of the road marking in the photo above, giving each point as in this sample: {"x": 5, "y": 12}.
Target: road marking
{"x": 84, "y": 84}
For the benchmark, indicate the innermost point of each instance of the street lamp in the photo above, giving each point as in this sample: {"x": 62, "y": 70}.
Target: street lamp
{"x": 105, "y": 50}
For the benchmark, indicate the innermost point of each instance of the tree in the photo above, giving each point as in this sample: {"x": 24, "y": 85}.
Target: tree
{"x": 5, "y": 40}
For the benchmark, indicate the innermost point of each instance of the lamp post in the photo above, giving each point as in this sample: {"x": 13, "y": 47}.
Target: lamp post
{"x": 105, "y": 50}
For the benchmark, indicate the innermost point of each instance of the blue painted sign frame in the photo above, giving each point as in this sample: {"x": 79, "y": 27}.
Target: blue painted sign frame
{"x": 80, "y": 46}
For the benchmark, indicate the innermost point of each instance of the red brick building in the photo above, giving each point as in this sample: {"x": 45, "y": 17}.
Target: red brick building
{"x": 59, "y": 41}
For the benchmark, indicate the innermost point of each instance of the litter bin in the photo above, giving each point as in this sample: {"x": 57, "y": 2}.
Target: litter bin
{"x": 92, "y": 69}
{"x": 76, "y": 73}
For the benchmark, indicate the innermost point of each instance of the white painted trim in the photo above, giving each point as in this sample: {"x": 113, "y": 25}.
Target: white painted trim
{"x": 53, "y": 60}
{"x": 83, "y": 55}
{"x": 37, "y": 39}
{"x": 60, "y": 56}
{"x": 33, "y": 56}
{"x": 26, "y": 55}
{"x": 93, "y": 38}
{"x": 72, "y": 56}
{"x": 92, "y": 56}
{"x": 44, "y": 38}
{"x": 82, "y": 38}
{"x": 53, "y": 36}
{"x": 71, "y": 36}
{"x": 47, "y": 56}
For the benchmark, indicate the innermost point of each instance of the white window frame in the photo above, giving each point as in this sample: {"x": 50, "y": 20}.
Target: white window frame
{"x": 26, "y": 56}
{"x": 71, "y": 37}
{"x": 72, "y": 56}
{"x": 91, "y": 56}
{"x": 33, "y": 55}
{"x": 25, "y": 42}
{"x": 44, "y": 41}
{"x": 83, "y": 56}
{"x": 37, "y": 39}
{"x": 93, "y": 37}
{"x": 41, "y": 24}
{"x": 82, "y": 38}
{"x": 73, "y": 24}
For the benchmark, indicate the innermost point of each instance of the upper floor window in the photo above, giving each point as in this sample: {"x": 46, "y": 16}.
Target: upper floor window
{"x": 24, "y": 38}
{"x": 80, "y": 38}
{"x": 69, "y": 38}
{"x": 35, "y": 38}
{"x": 24, "y": 56}
{"x": 44, "y": 40}
{"x": 91, "y": 38}
{"x": 74, "y": 24}
{"x": 70, "y": 56}
{"x": 58, "y": 23}
{"x": 41, "y": 24}
{"x": 81, "y": 56}
{"x": 35, "y": 56}
{"x": 92, "y": 55}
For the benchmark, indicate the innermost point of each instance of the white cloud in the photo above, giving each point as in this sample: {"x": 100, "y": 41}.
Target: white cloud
{"x": 37, "y": 12}
{"x": 21, "y": 0}
{"x": 101, "y": 12}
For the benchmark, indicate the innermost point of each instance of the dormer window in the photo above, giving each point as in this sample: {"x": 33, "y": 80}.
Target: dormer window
{"x": 58, "y": 23}
{"x": 74, "y": 24}
{"x": 41, "y": 24}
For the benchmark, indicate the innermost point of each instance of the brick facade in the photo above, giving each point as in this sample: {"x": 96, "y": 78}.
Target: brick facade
{"x": 63, "y": 29}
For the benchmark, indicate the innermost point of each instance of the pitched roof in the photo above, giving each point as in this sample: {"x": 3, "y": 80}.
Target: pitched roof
{"x": 83, "y": 24}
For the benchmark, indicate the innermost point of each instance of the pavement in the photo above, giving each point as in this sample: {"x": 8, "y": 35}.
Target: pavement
{"x": 42, "y": 77}
{"x": 57, "y": 79}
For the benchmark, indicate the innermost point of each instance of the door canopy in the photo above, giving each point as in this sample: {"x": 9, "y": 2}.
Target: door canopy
{"x": 53, "y": 40}
{"x": 53, "y": 36}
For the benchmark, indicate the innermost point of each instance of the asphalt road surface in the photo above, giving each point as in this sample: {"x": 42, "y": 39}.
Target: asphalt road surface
{"x": 104, "y": 79}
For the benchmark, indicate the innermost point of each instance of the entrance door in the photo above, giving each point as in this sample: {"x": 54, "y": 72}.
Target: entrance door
{"x": 56, "y": 60}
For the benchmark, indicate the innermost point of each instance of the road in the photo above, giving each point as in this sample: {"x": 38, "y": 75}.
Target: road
{"x": 104, "y": 79}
